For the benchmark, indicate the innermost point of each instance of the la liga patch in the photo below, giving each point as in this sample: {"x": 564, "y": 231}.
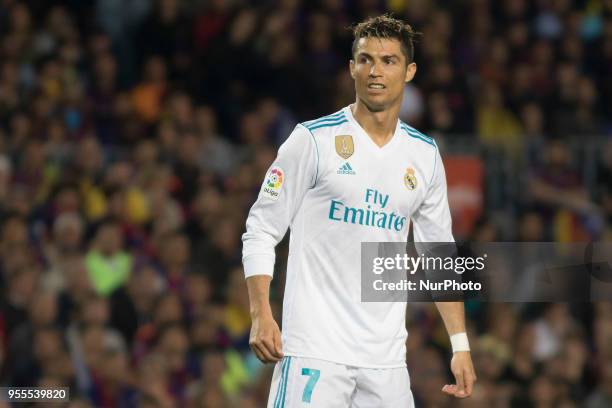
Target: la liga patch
{"x": 274, "y": 183}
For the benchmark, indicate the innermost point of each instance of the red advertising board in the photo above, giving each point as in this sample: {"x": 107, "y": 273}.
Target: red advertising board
{"x": 465, "y": 178}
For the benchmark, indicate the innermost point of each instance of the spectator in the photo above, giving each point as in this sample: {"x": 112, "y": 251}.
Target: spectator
{"x": 497, "y": 125}
{"x": 108, "y": 264}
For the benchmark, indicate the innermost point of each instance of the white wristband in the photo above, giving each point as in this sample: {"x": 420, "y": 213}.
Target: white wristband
{"x": 460, "y": 342}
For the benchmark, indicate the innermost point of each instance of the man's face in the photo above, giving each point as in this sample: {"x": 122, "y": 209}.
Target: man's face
{"x": 380, "y": 72}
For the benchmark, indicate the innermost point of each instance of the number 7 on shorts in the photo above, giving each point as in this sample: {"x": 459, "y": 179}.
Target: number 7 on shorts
{"x": 312, "y": 381}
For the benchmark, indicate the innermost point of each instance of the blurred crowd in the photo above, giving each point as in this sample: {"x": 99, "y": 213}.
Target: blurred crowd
{"x": 134, "y": 135}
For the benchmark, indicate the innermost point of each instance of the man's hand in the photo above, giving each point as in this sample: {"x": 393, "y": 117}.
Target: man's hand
{"x": 465, "y": 377}
{"x": 265, "y": 339}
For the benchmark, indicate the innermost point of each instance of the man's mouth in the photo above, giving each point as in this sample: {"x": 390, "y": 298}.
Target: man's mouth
{"x": 376, "y": 86}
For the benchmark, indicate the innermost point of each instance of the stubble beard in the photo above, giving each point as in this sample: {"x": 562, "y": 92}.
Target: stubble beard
{"x": 376, "y": 107}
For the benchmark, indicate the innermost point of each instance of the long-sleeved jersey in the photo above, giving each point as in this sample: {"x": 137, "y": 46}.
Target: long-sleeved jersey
{"x": 335, "y": 188}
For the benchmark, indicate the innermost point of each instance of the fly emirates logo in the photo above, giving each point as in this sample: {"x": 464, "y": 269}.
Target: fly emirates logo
{"x": 372, "y": 214}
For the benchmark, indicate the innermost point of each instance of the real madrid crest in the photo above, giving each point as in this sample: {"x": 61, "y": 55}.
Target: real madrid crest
{"x": 344, "y": 146}
{"x": 410, "y": 179}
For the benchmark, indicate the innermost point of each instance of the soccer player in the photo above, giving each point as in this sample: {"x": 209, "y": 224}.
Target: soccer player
{"x": 357, "y": 175}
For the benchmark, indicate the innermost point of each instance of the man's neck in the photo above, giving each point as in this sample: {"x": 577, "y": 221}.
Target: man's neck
{"x": 380, "y": 126}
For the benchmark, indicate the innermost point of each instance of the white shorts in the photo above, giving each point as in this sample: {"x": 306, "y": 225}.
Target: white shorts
{"x": 307, "y": 382}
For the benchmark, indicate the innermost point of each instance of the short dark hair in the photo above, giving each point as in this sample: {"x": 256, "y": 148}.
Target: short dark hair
{"x": 385, "y": 26}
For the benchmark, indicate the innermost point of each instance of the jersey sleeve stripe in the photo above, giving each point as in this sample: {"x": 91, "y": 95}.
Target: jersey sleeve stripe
{"x": 311, "y": 128}
{"x": 324, "y": 120}
{"x": 419, "y": 136}
{"x": 314, "y": 140}
{"x": 435, "y": 165}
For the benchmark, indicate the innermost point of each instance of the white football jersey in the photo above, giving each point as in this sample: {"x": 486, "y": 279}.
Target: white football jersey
{"x": 335, "y": 188}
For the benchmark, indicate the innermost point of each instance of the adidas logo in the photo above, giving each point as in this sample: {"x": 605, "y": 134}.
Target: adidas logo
{"x": 346, "y": 169}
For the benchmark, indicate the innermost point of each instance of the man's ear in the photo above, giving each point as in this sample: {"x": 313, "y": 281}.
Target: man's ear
{"x": 410, "y": 71}
{"x": 352, "y": 68}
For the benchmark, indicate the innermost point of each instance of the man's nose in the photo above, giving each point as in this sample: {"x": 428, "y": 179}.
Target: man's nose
{"x": 375, "y": 70}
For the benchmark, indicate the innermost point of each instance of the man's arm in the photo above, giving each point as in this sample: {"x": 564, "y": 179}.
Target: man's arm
{"x": 453, "y": 316}
{"x": 265, "y": 339}
{"x": 291, "y": 175}
{"x": 432, "y": 223}
{"x": 461, "y": 364}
